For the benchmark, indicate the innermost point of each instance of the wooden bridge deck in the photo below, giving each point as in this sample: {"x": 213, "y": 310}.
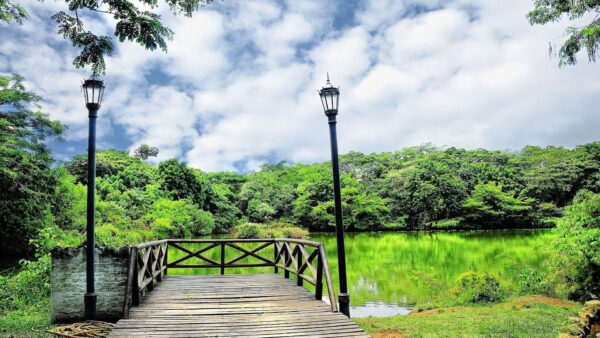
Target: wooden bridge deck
{"x": 256, "y": 305}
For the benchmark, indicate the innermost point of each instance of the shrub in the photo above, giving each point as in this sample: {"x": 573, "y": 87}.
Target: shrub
{"x": 178, "y": 219}
{"x": 532, "y": 282}
{"x": 248, "y": 231}
{"x": 110, "y": 235}
{"x": 272, "y": 230}
{"x": 295, "y": 232}
{"x": 575, "y": 261}
{"x": 478, "y": 287}
{"x": 26, "y": 287}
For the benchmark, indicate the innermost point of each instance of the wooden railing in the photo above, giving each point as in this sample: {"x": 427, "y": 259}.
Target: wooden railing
{"x": 149, "y": 262}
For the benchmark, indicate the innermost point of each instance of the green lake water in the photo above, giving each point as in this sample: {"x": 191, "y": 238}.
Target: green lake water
{"x": 382, "y": 266}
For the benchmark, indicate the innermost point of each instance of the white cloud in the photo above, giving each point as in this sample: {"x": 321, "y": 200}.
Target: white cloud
{"x": 239, "y": 81}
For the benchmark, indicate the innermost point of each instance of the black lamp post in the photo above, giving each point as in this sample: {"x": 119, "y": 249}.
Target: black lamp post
{"x": 93, "y": 90}
{"x": 330, "y": 97}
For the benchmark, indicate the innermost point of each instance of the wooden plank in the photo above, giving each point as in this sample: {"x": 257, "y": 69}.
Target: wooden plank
{"x": 251, "y": 305}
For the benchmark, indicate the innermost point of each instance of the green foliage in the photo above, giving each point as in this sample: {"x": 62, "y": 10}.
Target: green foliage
{"x": 492, "y": 207}
{"x": 10, "y": 12}
{"x": 222, "y": 204}
{"x": 69, "y": 205}
{"x": 178, "y": 219}
{"x": 26, "y": 287}
{"x": 270, "y": 230}
{"x": 27, "y": 181}
{"x": 259, "y": 211}
{"x": 585, "y": 37}
{"x": 553, "y": 174}
{"x": 144, "y": 151}
{"x": 533, "y": 282}
{"x": 575, "y": 262}
{"x": 449, "y": 223}
{"x": 108, "y": 163}
{"x": 533, "y": 319}
{"x": 248, "y": 231}
{"x": 478, "y": 287}
{"x": 421, "y": 188}
{"x": 181, "y": 181}
{"x": 131, "y": 23}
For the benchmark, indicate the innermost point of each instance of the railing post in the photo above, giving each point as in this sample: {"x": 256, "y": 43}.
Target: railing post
{"x": 135, "y": 293}
{"x": 166, "y": 257}
{"x": 330, "y": 288}
{"x": 319, "y": 277}
{"x": 222, "y": 258}
{"x": 299, "y": 279}
{"x": 129, "y": 287}
{"x": 275, "y": 251}
{"x": 286, "y": 262}
{"x": 160, "y": 264}
{"x": 151, "y": 266}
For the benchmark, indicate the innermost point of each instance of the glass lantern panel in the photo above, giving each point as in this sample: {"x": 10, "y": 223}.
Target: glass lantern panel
{"x": 100, "y": 94}
{"x": 326, "y": 98}
{"x": 323, "y": 101}
{"x": 331, "y": 100}
{"x": 85, "y": 94}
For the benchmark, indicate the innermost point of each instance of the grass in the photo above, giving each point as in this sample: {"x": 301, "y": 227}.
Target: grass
{"x": 524, "y": 317}
{"x": 29, "y": 322}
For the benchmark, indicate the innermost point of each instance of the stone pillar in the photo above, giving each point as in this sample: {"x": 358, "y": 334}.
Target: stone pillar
{"x": 68, "y": 283}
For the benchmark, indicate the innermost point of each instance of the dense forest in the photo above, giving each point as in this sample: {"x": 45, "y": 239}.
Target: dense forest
{"x": 415, "y": 188}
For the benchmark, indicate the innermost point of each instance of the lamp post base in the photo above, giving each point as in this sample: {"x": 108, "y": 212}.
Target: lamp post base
{"x": 90, "y": 305}
{"x": 344, "y": 299}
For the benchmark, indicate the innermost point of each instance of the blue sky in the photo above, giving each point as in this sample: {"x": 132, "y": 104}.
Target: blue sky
{"x": 237, "y": 87}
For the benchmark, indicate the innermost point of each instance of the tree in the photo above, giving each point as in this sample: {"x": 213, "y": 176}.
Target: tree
{"x": 492, "y": 207}
{"x": 144, "y": 151}
{"x": 586, "y": 36}
{"x": 10, "y": 12}
{"x": 426, "y": 192}
{"x": 575, "y": 260}
{"x": 108, "y": 163}
{"x": 27, "y": 181}
{"x": 133, "y": 22}
{"x": 222, "y": 204}
{"x": 181, "y": 181}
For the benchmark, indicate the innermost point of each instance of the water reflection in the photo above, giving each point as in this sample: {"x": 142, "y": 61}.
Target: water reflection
{"x": 385, "y": 270}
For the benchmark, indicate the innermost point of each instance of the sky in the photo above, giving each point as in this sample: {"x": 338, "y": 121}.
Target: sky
{"x": 238, "y": 86}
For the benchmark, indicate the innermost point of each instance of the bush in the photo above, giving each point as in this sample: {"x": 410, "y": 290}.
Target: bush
{"x": 478, "y": 287}
{"x": 532, "y": 282}
{"x": 575, "y": 261}
{"x": 178, "y": 219}
{"x": 26, "y": 287}
{"x": 248, "y": 231}
{"x": 276, "y": 229}
{"x": 295, "y": 232}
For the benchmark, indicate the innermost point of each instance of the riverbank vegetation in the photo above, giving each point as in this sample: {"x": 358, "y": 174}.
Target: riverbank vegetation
{"x": 522, "y": 317}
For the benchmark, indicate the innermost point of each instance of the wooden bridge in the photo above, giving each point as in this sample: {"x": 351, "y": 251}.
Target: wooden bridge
{"x": 231, "y": 305}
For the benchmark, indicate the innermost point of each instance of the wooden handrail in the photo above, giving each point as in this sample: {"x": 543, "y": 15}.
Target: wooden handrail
{"x": 149, "y": 262}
